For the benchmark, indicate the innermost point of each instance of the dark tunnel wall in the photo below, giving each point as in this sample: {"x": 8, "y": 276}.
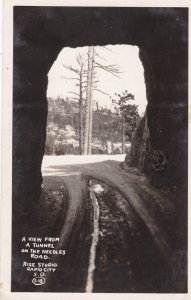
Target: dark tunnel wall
{"x": 39, "y": 35}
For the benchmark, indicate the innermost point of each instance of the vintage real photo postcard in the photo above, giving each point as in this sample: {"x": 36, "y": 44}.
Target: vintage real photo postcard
{"x": 95, "y": 149}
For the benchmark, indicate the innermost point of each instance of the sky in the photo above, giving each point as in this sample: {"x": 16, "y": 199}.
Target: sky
{"x": 131, "y": 76}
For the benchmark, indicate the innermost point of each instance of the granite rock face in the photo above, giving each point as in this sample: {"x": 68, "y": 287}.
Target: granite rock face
{"x": 160, "y": 143}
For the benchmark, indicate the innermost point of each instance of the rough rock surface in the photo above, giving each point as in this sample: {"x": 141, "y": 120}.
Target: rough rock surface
{"x": 161, "y": 35}
{"x": 41, "y": 33}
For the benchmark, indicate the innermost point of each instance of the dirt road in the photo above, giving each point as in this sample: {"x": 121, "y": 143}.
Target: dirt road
{"x": 135, "y": 215}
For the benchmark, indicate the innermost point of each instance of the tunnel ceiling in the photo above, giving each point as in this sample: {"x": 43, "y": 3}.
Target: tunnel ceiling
{"x": 55, "y": 28}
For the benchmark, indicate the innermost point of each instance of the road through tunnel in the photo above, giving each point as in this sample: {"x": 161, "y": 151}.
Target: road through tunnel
{"x": 161, "y": 35}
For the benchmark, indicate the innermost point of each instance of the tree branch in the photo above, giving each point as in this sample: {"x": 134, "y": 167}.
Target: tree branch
{"x": 68, "y": 78}
{"x": 112, "y": 69}
{"x": 101, "y": 92}
{"x": 96, "y": 54}
{"x": 70, "y": 68}
{"x": 74, "y": 93}
{"x": 105, "y": 48}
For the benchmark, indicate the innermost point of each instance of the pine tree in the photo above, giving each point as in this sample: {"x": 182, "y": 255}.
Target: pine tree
{"x": 122, "y": 107}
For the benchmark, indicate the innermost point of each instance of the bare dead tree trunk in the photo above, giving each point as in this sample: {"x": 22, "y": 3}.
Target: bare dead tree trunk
{"x": 88, "y": 101}
{"x": 123, "y": 142}
{"x": 80, "y": 116}
{"x": 53, "y": 147}
{"x": 85, "y": 145}
{"x": 91, "y": 103}
{"x": 81, "y": 72}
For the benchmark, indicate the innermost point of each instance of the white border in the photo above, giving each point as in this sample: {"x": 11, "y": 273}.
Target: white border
{"x": 5, "y": 266}
{"x": 97, "y": 3}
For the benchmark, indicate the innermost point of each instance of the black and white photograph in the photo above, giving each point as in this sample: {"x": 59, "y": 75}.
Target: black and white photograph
{"x": 99, "y": 149}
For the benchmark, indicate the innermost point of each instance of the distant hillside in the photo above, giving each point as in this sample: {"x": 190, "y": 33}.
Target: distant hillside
{"x": 63, "y": 129}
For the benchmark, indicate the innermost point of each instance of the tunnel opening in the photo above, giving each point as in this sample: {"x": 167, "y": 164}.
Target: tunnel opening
{"x": 118, "y": 100}
{"x": 166, "y": 84}
{"x": 162, "y": 153}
